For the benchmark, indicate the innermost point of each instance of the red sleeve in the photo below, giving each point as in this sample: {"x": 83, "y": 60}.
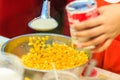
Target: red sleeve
{"x": 101, "y": 3}
{"x": 109, "y": 59}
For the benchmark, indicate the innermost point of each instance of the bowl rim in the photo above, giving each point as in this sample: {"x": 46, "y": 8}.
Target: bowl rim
{"x": 31, "y": 34}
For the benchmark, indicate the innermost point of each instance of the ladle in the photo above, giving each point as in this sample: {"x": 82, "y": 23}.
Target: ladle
{"x": 44, "y": 22}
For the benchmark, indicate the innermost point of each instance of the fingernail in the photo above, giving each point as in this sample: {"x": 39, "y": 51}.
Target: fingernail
{"x": 74, "y": 34}
{"x": 73, "y": 26}
{"x": 79, "y": 46}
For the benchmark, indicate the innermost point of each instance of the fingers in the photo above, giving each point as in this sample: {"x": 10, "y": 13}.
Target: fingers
{"x": 88, "y": 23}
{"x": 96, "y": 31}
{"x": 102, "y": 47}
{"x": 95, "y": 41}
{"x": 99, "y": 48}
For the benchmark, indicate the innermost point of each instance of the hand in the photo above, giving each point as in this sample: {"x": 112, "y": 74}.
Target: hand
{"x": 102, "y": 29}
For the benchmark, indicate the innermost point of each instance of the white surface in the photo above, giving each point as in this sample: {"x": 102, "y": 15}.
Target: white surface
{"x": 9, "y": 74}
{"x": 108, "y": 74}
{"x": 3, "y": 39}
{"x": 112, "y": 1}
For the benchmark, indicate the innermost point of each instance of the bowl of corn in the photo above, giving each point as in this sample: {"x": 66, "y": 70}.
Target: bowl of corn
{"x": 39, "y": 52}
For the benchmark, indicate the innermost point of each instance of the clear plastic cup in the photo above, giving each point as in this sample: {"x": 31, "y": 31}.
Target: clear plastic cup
{"x": 11, "y": 67}
{"x": 60, "y": 75}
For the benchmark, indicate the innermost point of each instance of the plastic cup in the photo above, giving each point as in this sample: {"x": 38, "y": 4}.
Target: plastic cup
{"x": 78, "y": 11}
{"x": 11, "y": 67}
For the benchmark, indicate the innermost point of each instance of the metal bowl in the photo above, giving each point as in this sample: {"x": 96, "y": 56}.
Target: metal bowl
{"x": 19, "y": 46}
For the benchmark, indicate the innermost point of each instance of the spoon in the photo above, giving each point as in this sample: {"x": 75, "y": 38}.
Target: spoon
{"x": 90, "y": 67}
{"x": 44, "y": 22}
{"x": 55, "y": 72}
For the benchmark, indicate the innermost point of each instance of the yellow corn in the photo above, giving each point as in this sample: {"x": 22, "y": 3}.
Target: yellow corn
{"x": 42, "y": 55}
{"x": 27, "y": 78}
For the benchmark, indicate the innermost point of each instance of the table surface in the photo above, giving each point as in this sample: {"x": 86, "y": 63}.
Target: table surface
{"x": 101, "y": 72}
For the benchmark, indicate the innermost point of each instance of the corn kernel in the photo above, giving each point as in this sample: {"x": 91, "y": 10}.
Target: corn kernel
{"x": 41, "y": 55}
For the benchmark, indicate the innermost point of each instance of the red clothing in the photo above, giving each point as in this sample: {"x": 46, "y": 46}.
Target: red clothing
{"x": 108, "y": 59}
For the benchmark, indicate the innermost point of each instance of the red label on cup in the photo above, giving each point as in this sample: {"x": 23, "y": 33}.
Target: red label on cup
{"x": 82, "y": 16}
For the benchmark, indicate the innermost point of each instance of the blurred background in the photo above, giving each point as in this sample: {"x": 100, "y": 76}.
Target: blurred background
{"x": 15, "y": 15}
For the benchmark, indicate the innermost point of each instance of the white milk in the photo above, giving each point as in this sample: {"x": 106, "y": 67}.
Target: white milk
{"x": 43, "y": 24}
{"x": 9, "y": 74}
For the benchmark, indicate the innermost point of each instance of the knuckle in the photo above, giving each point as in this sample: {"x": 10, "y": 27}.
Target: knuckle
{"x": 87, "y": 34}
